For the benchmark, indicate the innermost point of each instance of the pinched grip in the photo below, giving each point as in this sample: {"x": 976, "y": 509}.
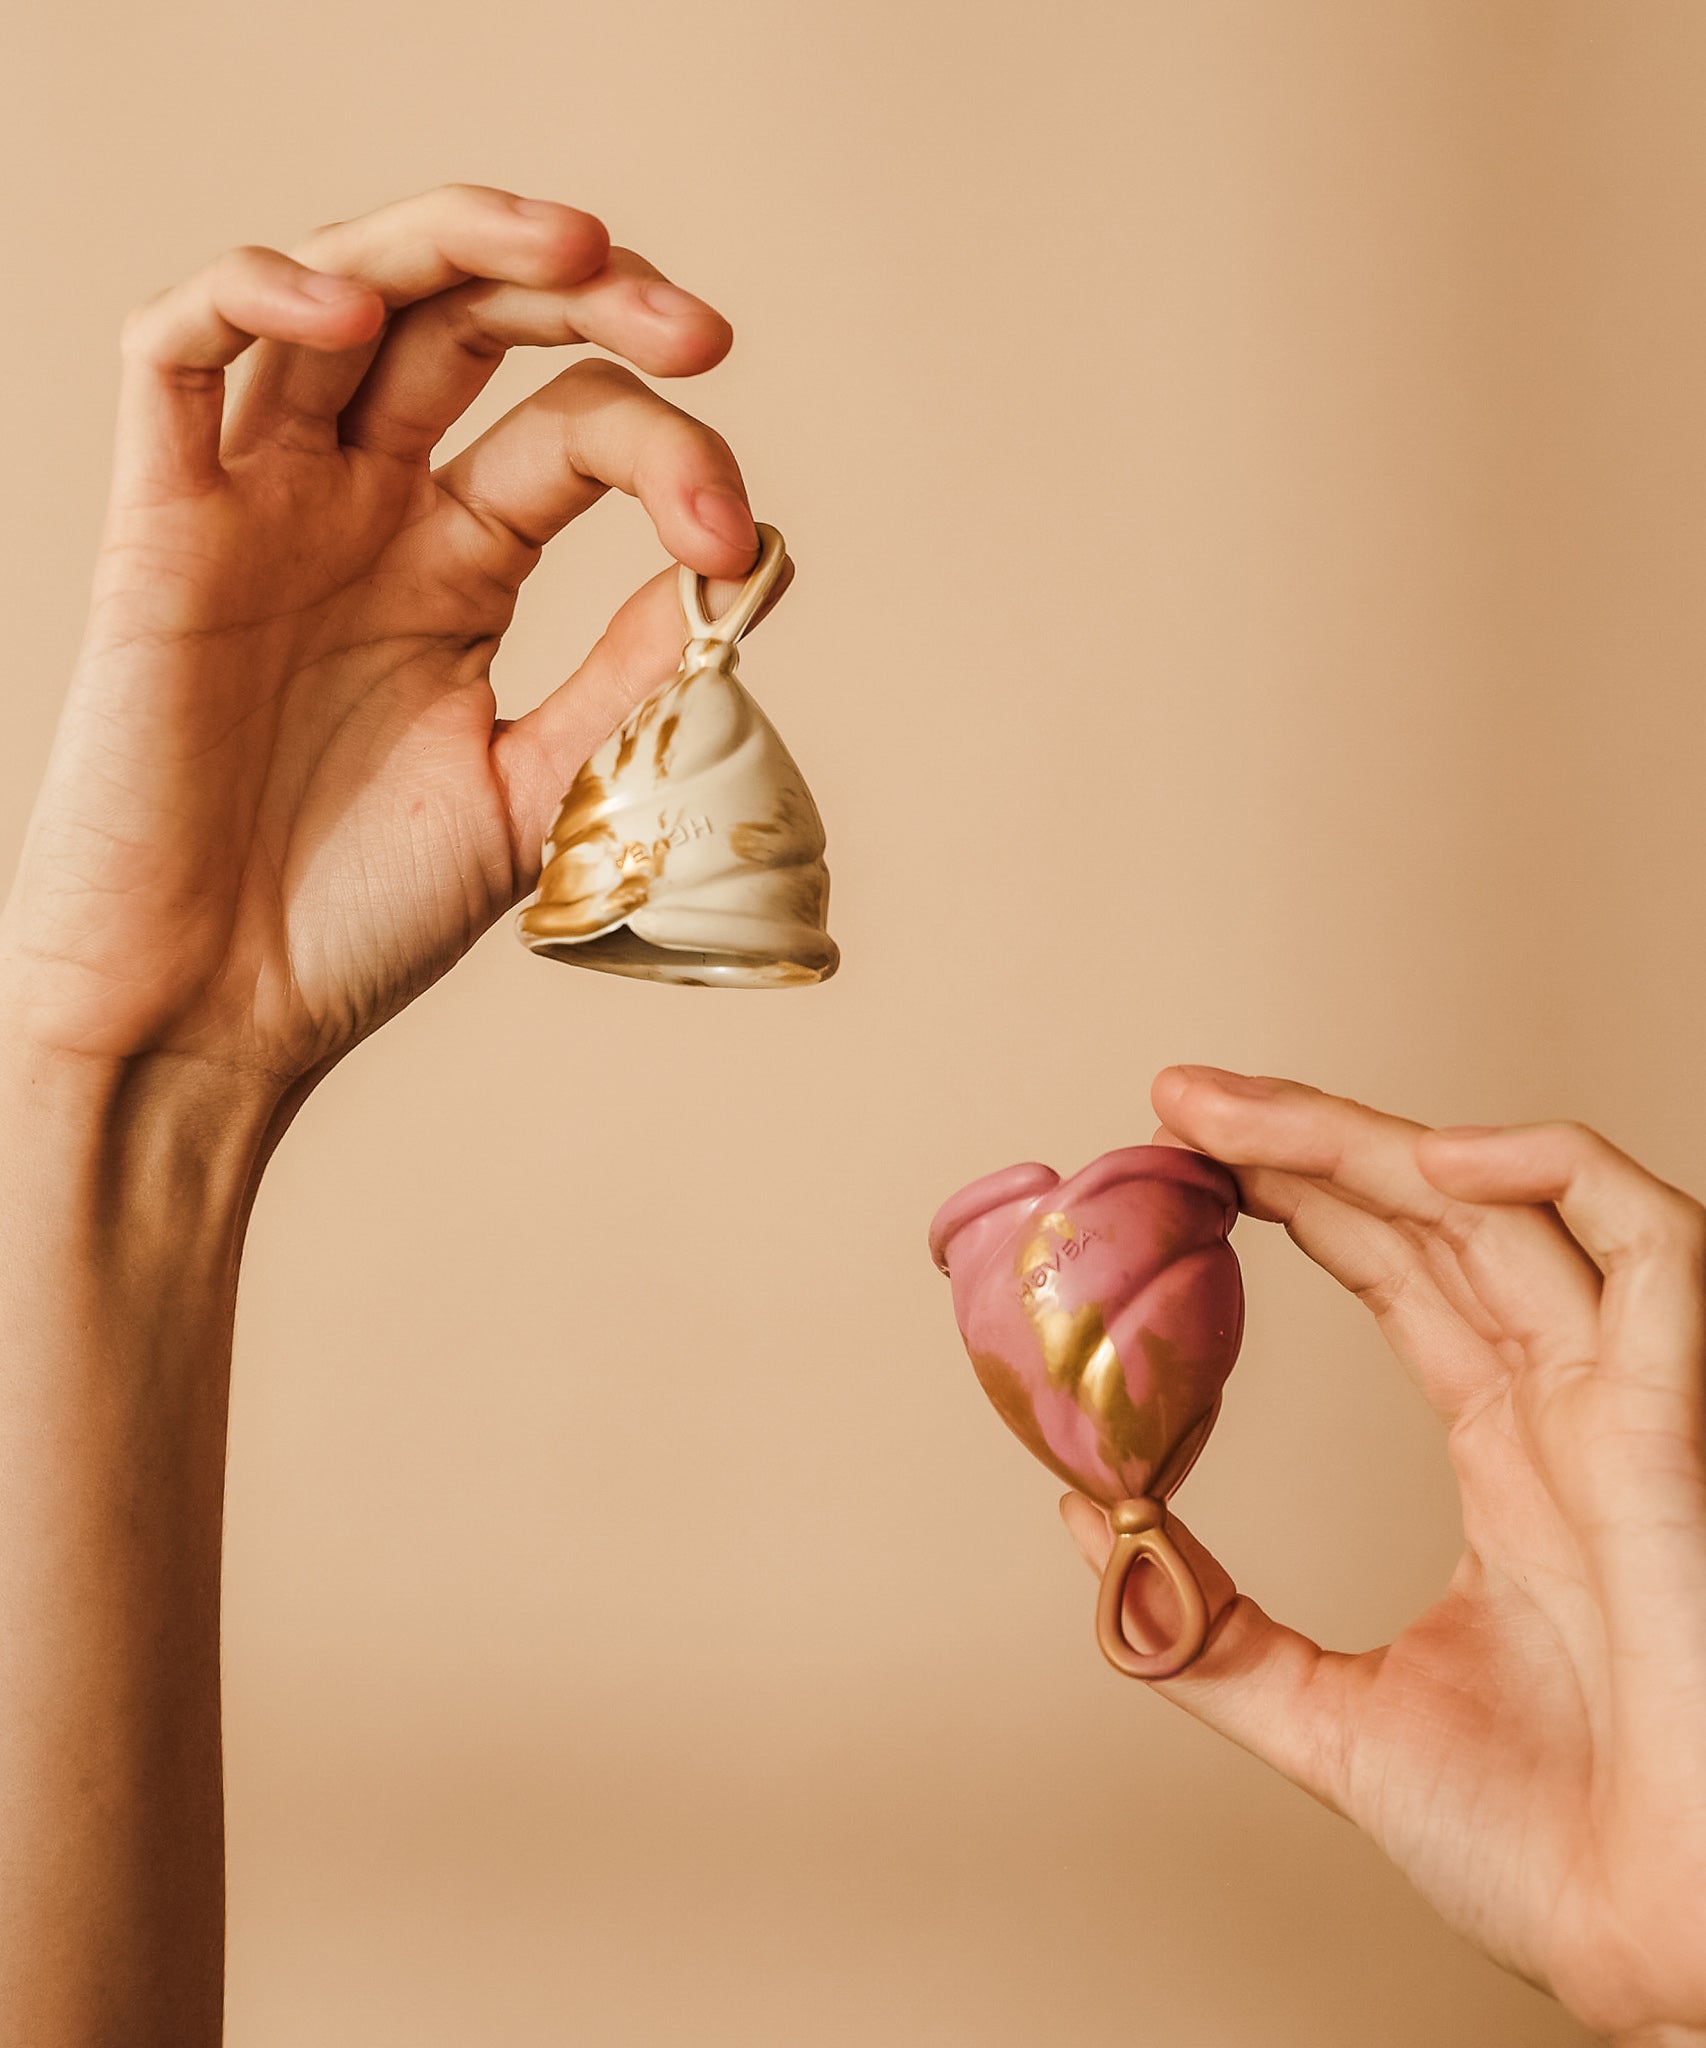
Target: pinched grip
{"x": 1140, "y": 1532}
{"x": 761, "y": 579}
{"x": 688, "y": 849}
{"x": 1103, "y": 1314}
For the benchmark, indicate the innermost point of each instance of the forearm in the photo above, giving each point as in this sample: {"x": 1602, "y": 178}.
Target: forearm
{"x": 123, "y": 1194}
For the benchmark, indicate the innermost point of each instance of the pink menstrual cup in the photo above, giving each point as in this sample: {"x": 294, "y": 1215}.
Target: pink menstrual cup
{"x": 1103, "y": 1314}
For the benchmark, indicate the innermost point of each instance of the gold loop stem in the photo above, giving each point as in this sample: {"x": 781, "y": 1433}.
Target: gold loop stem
{"x": 730, "y": 625}
{"x": 1140, "y": 1531}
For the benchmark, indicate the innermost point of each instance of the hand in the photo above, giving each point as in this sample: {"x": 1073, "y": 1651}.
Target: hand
{"x": 1531, "y": 1752}
{"x": 281, "y": 804}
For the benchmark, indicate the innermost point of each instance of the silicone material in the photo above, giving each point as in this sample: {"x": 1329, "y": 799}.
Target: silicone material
{"x": 688, "y": 848}
{"x": 1103, "y": 1314}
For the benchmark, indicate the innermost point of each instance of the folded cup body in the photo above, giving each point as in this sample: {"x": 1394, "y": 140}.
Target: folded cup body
{"x": 1102, "y": 1313}
{"x": 689, "y": 848}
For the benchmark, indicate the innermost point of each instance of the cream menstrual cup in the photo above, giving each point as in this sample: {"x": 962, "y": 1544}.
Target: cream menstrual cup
{"x": 688, "y": 848}
{"x": 1103, "y": 1314}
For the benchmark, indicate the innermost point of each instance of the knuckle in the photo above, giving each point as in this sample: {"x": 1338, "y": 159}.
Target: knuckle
{"x": 463, "y": 193}
{"x": 1565, "y": 1149}
{"x": 138, "y": 329}
{"x": 462, "y": 317}
{"x": 1663, "y": 1220}
{"x": 712, "y": 442}
{"x": 1459, "y": 1224}
{"x": 1579, "y": 1137}
{"x": 612, "y": 379}
{"x": 240, "y": 270}
{"x": 682, "y": 438}
{"x": 1682, "y": 1224}
{"x": 1381, "y": 1294}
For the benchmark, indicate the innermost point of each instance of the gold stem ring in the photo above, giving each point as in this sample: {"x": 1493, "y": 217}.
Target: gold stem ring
{"x": 1140, "y": 1532}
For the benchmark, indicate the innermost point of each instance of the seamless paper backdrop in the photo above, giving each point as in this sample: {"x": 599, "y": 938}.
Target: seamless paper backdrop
{"x": 1245, "y": 467}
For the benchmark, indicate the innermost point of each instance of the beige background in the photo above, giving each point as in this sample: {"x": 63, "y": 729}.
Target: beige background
{"x": 1245, "y": 467}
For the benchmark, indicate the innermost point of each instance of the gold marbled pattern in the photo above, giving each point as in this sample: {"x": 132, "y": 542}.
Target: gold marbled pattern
{"x": 1080, "y": 1355}
{"x": 688, "y": 848}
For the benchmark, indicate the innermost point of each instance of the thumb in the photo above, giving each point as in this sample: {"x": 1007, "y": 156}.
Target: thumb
{"x": 1261, "y": 1685}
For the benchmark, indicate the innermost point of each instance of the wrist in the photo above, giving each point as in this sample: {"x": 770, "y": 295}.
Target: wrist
{"x": 143, "y": 1161}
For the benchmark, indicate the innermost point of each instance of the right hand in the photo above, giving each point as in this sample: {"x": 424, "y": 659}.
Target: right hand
{"x": 1531, "y": 1752}
{"x": 281, "y": 803}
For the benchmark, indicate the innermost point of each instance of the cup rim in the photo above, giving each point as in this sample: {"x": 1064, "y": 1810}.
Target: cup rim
{"x": 1124, "y": 1162}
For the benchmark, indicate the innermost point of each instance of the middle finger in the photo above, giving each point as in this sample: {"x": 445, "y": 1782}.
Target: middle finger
{"x": 1438, "y": 1330}
{"x": 407, "y": 252}
{"x": 1517, "y": 1263}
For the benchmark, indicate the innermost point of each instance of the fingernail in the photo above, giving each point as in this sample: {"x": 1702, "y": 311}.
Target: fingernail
{"x": 669, "y": 299}
{"x": 538, "y": 209}
{"x": 1254, "y": 1085}
{"x": 319, "y": 284}
{"x": 1468, "y": 1131}
{"x": 726, "y": 515}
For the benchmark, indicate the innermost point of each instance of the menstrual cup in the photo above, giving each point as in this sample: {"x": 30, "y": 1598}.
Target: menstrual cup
{"x": 688, "y": 848}
{"x": 1103, "y": 1314}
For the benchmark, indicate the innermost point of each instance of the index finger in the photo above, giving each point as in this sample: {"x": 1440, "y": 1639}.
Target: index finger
{"x": 1255, "y": 1120}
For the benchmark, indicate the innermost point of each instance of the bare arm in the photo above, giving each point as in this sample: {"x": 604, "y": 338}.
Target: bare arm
{"x": 280, "y": 805}
{"x": 122, "y": 1201}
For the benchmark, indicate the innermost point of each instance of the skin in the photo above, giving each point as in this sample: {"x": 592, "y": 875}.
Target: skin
{"x": 280, "y": 805}
{"x": 1531, "y": 1751}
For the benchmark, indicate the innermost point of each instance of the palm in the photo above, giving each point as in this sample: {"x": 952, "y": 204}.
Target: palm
{"x": 398, "y": 851}
{"x": 1440, "y": 1725}
{"x": 281, "y": 804}
{"x": 341, "y": 832}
